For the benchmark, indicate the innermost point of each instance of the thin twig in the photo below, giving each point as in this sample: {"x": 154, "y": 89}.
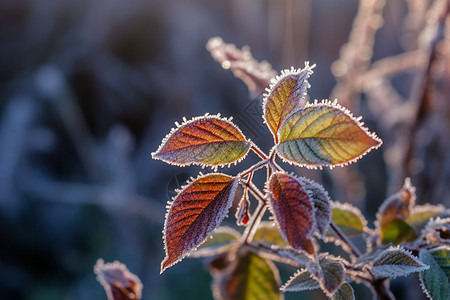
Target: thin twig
{"x": 345, "y": 240}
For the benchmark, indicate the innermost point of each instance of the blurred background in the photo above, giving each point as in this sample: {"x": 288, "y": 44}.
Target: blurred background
{"x": 88, "y": 89}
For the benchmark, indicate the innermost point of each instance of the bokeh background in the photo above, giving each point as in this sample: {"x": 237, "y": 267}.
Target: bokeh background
{"x": 88, "y": 89}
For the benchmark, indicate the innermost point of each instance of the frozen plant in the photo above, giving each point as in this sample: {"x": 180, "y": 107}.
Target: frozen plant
{"x": 407, "y": 238}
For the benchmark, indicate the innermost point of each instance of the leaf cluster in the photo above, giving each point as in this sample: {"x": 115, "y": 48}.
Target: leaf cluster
{"x": 407, "y": 237}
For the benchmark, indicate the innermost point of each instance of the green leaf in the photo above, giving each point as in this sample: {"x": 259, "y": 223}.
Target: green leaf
{"x": 221, "y": 240}
{"x": 268, "y": 232}
{"x": 398, "y": 232}
{"x": 250, "y": 277}
{"x": 421, "y": 214}
{"x": 323, "y": 134}
{"x": 397, "y": 206}
{"x": 435, "y": 280}
{"x": 348, "y": 218}
{"x": 396, "y": 261}
{"x": 345, "y": 292}
{"x": 300, "y": 281}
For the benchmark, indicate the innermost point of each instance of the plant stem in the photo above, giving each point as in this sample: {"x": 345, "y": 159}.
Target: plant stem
{"x": 258, "y": 151}
{"x": 345, "y": 240}
{"x": 256, "y": 218}
{"x": 247, "y": 236}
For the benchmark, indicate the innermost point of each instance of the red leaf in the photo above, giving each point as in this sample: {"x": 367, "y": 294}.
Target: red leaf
{"x": 194, "y": 213}
{"x": 293, "y": 211}
{"x": 118, "y": 282}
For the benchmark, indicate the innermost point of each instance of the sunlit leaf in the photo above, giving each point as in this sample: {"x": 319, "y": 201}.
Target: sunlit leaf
{"x": 330, "y": 275}
{"x": 284, "y": 95}
{"x": 421, "y": 214}
{"x": 321, "y": 204}
{"x": 397, "y": 206}
{"x": 119, "y": 283}
{"x": 348, "y": 218}
{"x": 300, "y": 281}
{"x": 256, "y": 75}
{"x": 345, "y": 292}
{"x": 435, "y": 280}
{"x": 207, "y": 141}
{"x": 269, "y": 233}
{"x": 396, "y": 261}
{"x": 221, "y": 240}
{"x": 292, "y": 209}
{"x": 249, "y": 277}
{"x": 323, "y": 134}
{"x": 194, "y": 213}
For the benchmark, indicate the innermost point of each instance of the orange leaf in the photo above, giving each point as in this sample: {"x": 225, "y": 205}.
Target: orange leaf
{"x": 324, "y": 134}
{"x": 194, "y": 213}
{"x": 293, "y": 211}
{"x": 284, "y": 95}
{"x": 207, "y": 141}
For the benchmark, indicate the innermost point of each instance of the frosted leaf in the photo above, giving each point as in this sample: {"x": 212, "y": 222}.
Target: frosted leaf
{"x": 194, "y": 213}
{"x": 348, "y": 218}
{"x": 421, "y": 214}
{"x": 435, "y": 280}
{"x": 329, "y": 272}
{"x": 206, "y": 141}
{"x": 323, "y": 135}
{"x": 437, "y": 231}
{"x": 396, "y": 261}
{"x": 397, "y": 206}
{"x": 321, "y": 204}
{"x": 119, "y": 283}
{"x": 292, "y": 209}
{"x": 285, "y": 94}
{"x": 300, "y": 281}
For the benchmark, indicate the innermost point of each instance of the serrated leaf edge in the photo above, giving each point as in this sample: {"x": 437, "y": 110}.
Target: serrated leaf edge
{"x": 169, "y": 208}
{"x": 351, "y": 208}
{"x": 203, "y": 165}
{"x": 401, "y": 249}
{"x": 312, "y": 183}
{"x": 317, "y": 271}
{"x": 277, "y": 79}
{"x": 300, "y": 271}
{"x": 422, "y": 283}
{"x": 334, "y": 105}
